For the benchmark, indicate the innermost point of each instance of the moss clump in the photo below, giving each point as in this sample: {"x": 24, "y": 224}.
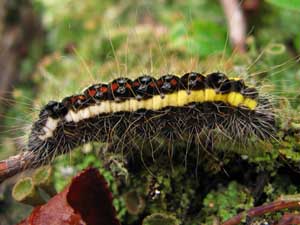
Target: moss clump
{"x": 160, "y": 218}
{"x": 43, "y": 178}
{"x": 24, "y": 191}
{"x": 227, "y": 202}
{"x": 135, "y": 204}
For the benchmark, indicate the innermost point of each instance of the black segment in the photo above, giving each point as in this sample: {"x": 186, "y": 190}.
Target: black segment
{"x": 59, "y": 110}
{"x": 98, "y": 92}
{"x": 250, "y": 93}
{"x": 215, "y": 80}
{"x": 79, "y": 101}
{"x": 168, "y": 84}
{"x": 53, "y": 109}
{"x": 192, "y": 81}
{"x": 238, "y": 85}
{"x": 231, "y": 85}
{"x": 144, "y": 87}
{"x": 67, "y": 102}
{"x": 121, "y": 89}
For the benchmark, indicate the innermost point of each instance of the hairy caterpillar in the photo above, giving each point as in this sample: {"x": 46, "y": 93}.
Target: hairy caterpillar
{"x": 170, "y": 107}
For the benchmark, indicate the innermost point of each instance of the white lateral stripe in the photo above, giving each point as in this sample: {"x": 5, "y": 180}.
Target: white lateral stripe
{"x": 49, "y": 128}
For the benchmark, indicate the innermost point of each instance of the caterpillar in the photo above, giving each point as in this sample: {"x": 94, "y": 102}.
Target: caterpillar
{"x": 171, "y": 108}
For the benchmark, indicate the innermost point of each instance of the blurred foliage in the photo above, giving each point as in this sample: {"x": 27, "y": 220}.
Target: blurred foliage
{"x": 90, "y": 41}
{"x": 292, "y": 4}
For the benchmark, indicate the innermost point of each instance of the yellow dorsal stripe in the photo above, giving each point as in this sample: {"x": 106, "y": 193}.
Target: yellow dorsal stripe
{"x": 158, "y": 102}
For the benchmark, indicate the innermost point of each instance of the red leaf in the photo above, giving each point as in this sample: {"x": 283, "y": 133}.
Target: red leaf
{"x": 89, "y": 196}
{"x": 86, "y": 200}
{"x": 57, "y": 210}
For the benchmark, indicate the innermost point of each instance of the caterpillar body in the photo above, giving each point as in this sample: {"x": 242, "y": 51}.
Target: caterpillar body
{"x": 170, "y": 107}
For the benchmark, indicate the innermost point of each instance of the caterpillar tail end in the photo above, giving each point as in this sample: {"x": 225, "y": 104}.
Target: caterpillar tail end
{"x": 15, "y": 164}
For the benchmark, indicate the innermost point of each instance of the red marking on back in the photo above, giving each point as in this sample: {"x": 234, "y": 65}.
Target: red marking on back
{"x": 73, "y": 99}
{"x": 152, "y": 84}
{"x": 159, "y": 83}
{"x": 81, "y": 97}
{"x": 103, "y": 89}
{"x": 114, "y": 86}
{"x": 76, "y": 98}
{"x": 128, "y": 86}
{"x": 173, "y": 82}
{"x": 136, "y": 83}
{"x": 92, "y": 92}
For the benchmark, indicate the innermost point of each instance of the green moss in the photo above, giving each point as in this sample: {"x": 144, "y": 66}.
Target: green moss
{"x": 21, "y": 190}
{"x": 24, "y": 191}
{"x": 227, "y": 201}
{"x": 135, "y": 204}
{"x": 159, "y": 219}
{"x": 43, "y": 178}
{"x": 41, "y": 174}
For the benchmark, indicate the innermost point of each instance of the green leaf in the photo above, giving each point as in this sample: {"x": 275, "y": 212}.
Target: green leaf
{"x": 290, "y": 4}
{"x": 200, "y": 37}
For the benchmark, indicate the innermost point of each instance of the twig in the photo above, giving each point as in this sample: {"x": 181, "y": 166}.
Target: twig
{"x": 289, "y": 218}
{"x": 236, "y": 24}
{"x": 16, "y": 164}
{"x": 261, "y": 210}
